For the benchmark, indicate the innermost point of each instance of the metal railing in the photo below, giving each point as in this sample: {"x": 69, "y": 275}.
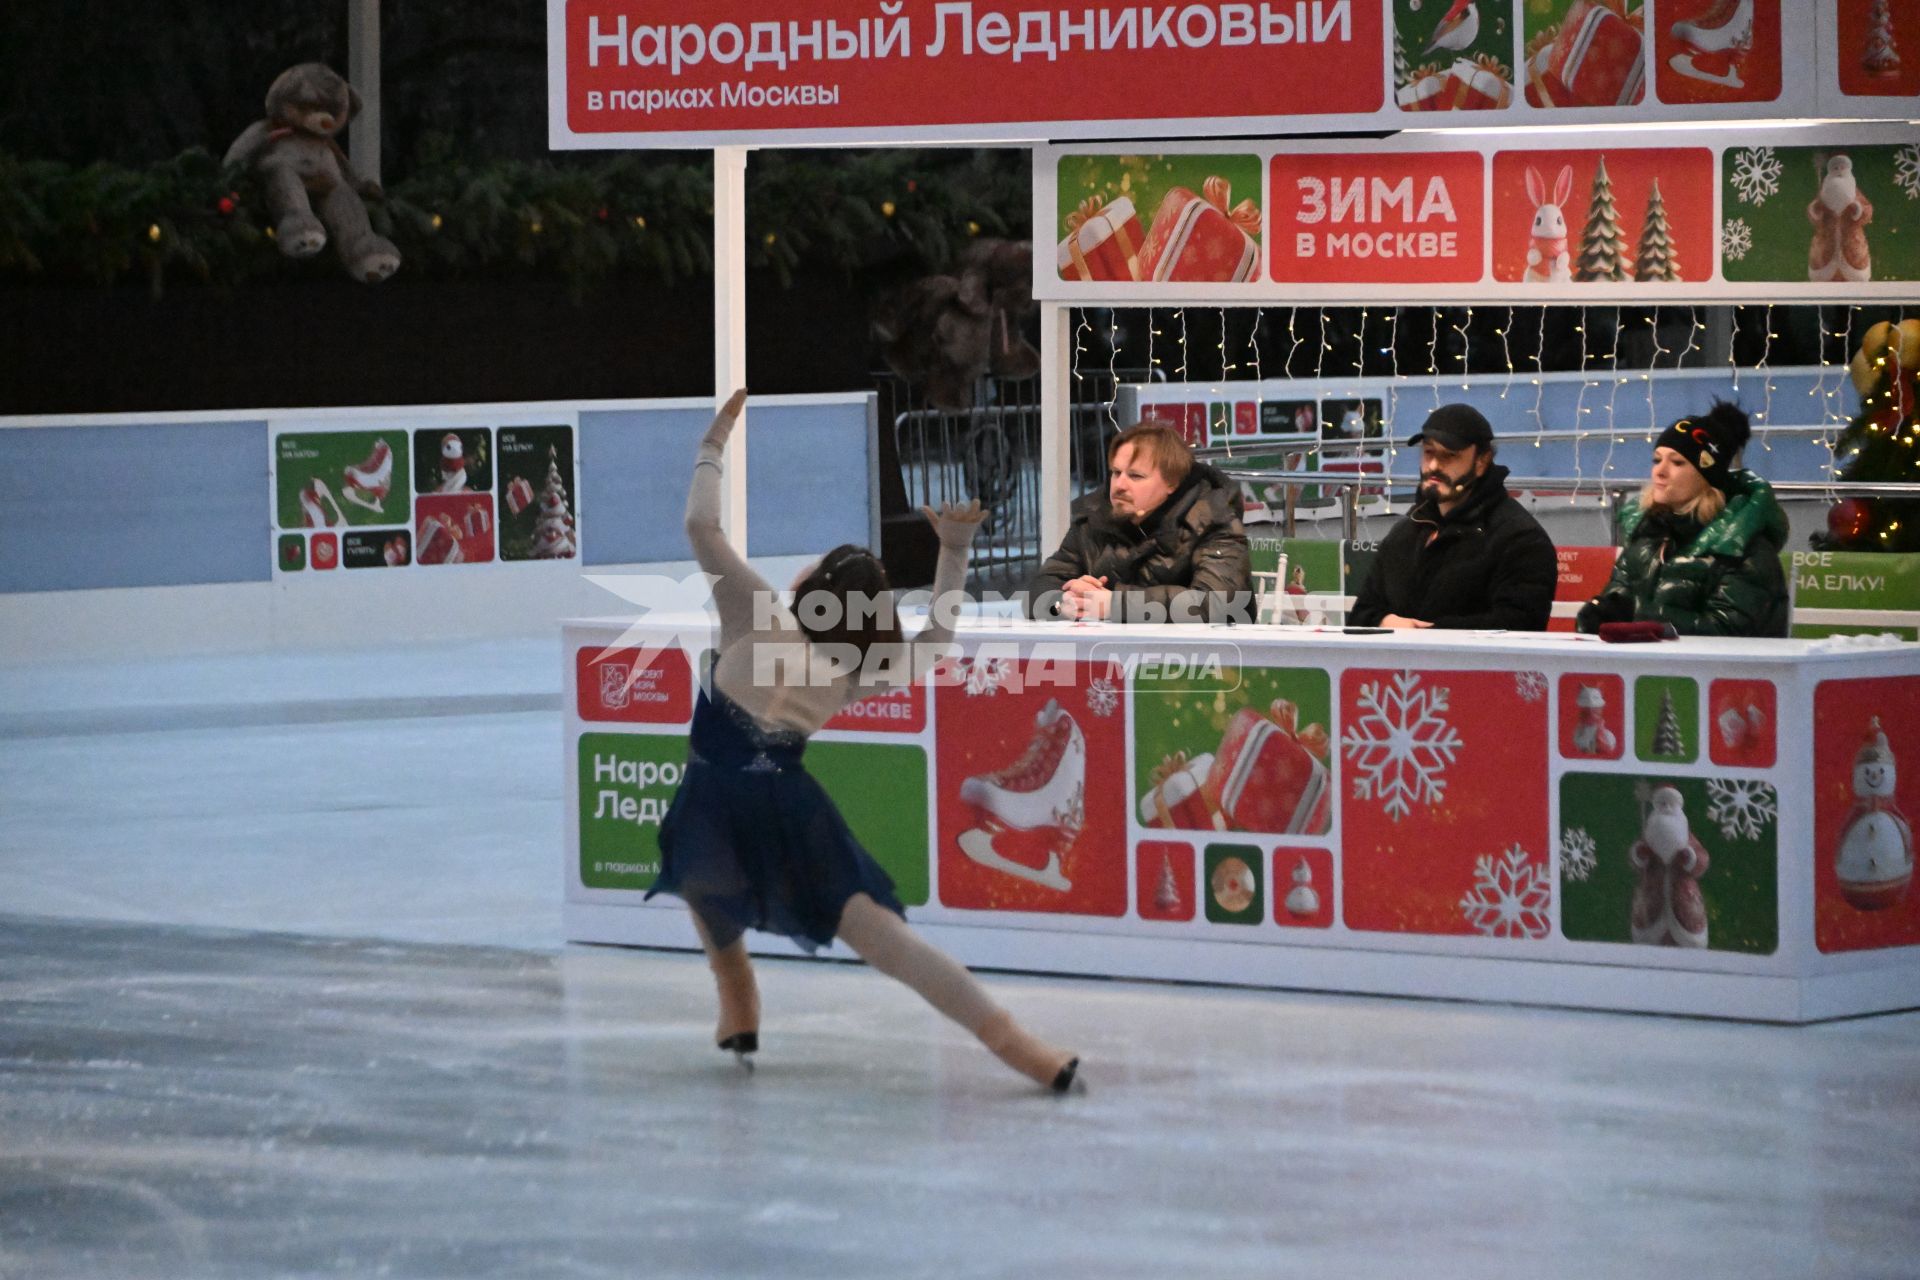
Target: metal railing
{"x": 991, "y": 451}
{"x": 1350, "y": 486}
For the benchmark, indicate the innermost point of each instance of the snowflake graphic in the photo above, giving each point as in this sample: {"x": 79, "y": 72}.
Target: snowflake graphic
{"x": 1510, "y": 897}
{"x": 1530, "y": 685}
{"x": 1906, "y": 170}
{"x": 1578, "y": 853}
{"x": 1756, "y": 174}
{"x": 1742, "y": 808}
{"x": 986, "y": 676}
{"x": 1736, "y": 240}
{"x": 1399, "y": 743}
{"x": 1102, "y": 698}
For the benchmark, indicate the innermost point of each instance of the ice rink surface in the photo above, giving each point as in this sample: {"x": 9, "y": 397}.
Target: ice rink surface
{"x": 283, "y": 994}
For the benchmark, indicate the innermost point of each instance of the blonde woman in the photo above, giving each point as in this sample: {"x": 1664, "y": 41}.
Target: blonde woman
{"x": 1702, "y": 547}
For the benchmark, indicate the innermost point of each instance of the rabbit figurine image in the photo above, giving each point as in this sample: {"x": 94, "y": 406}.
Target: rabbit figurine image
{"x": 1548, "y": 261}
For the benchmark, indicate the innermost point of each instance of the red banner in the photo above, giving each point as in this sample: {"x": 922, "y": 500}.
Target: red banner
{"x": 1378, "y": 219}
{"x": 895, "y": 70}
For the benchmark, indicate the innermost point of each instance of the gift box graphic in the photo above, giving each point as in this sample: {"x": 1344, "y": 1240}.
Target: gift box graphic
{"x": 1178, "y": 797}
{"x": 1477, "y": 84}
{"x": 1103, "y": 241}
{"x": 1598, "y": 59}
{"x": 1425, "y": 92}
{"x": 519, "y": 495}
{"x": 439, "y": 544}
{"x": 1198, "y": 238}
{"x": 478, "y": 521}
{"x": 1267, "y": 778}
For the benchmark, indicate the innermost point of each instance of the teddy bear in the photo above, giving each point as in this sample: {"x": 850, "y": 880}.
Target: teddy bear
{"x": 296, "y": 155}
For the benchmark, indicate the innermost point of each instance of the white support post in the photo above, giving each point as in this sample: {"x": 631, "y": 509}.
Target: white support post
{"x": 1056, "y": 426}
{"x": 730, "y": 324}
{"x": 363, "y": 72}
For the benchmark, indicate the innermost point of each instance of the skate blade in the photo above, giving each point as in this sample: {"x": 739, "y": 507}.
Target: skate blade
{"x": 1683, "y": 63}
{"x": 978, "y": 845}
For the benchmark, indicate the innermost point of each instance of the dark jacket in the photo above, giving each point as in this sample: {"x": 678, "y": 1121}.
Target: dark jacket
{"x": 1723, "y": 580}
{"x": 1485, "y": 565}
{"x": 1187, "y": 562}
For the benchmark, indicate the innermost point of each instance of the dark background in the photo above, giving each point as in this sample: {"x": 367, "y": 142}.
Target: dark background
{"x": 85, "y": 81}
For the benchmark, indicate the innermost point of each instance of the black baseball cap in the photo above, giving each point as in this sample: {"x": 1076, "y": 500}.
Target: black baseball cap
{"x": 1455, "y": 426}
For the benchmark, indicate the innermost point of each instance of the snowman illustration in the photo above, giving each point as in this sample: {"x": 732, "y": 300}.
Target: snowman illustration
{"x": 1303, "y": 901}
{"x": 1668, "y": 910}
{"x": 1875, "y": 856}
{"x": 1591, "y": 737}
{"x": 453, "y": 464}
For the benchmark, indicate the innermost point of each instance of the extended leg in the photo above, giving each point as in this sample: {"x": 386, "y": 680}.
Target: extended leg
{"x": 884, "y": 941}
{"x": 739, "y": 1027}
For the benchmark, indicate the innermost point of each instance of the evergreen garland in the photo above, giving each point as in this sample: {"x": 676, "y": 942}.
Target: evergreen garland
{"x": 190, "y": 220}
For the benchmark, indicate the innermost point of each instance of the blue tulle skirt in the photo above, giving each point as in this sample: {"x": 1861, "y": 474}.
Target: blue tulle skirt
{"x": 752, "y": 841}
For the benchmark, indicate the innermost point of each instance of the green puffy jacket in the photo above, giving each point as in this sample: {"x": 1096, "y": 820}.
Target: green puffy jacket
{"x": 1723, "y": 580}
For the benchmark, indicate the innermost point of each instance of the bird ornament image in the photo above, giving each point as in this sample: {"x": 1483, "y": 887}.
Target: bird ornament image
{"x": 1459, "y": 27}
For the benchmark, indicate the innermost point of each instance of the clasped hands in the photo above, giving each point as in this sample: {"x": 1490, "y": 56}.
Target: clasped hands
{"x": 1085, "y": 597}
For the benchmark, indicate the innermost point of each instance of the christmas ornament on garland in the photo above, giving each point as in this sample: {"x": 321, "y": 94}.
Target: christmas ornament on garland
{"x": 1881, "y": 443}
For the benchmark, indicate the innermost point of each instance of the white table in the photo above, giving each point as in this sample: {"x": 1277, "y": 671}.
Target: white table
{"x": 1461, "y": 825}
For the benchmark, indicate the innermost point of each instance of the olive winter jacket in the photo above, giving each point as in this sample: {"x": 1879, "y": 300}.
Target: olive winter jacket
{"x": 1721, "y": 580}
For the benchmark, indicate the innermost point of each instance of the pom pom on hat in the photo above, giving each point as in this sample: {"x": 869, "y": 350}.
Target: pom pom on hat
{"x": 1710, "y": 441}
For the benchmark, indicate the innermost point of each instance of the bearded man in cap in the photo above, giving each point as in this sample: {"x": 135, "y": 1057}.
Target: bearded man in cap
{"x": 1468, "y": 556}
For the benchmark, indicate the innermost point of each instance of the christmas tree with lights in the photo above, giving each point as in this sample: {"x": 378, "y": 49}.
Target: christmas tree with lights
{"x": 1882, "y": 443}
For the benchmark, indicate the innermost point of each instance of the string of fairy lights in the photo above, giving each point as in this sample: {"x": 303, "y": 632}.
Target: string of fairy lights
{"x": 1598, "y": 418}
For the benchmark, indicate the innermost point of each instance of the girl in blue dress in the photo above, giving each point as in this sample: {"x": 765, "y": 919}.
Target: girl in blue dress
{"x": 751, "y": 840}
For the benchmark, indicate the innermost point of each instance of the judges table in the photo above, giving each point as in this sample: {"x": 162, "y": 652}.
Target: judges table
{"x": 1704, "y": 826}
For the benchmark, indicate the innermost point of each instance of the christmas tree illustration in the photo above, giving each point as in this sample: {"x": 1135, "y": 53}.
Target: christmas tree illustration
{"x": 1603, "y": 249}
{"x": 1657, "y": 259}
{"x": 1882, "y": 442}
{"x": 553, "y": 529}
{"x": 1402, "y": 70}
{"x": 1667, "y": 740}
{"x": 1166, "y": 895}
{"x": 1881, "y": 56}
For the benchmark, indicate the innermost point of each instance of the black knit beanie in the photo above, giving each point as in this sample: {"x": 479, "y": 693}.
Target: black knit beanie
{"x": 1710, "y": 441}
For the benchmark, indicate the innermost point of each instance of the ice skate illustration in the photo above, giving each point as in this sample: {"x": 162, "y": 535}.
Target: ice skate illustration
{"x": 1043, "y": 792}
{"x": 314, "y": 501}
{"x": 1715, "y": 42}
{"x": 366, "y": 485}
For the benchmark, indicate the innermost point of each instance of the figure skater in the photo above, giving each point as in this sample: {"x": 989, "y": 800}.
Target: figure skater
{"x": 751, "y": 840}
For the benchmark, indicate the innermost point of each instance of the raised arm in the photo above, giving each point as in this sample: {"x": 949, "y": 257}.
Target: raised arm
{"x": 955, "y": 527}
{"x": 736, "y": 582}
